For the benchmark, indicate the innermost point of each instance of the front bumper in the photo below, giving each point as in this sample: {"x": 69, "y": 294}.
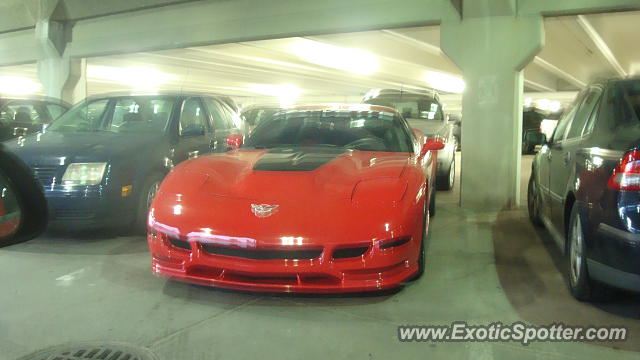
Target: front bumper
{"x": 377, "y": 269}
{"x": 92, "y": 207}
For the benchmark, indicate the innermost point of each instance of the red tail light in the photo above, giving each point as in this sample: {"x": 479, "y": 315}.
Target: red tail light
{"x": 626, "y": 176}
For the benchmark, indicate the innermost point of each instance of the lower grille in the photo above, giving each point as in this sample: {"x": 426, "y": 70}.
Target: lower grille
{"x": 45, "y": 174}
{"x": 73, "y": 214}
{"x": 349, "y": 252}
{"x": 262, "y": 254}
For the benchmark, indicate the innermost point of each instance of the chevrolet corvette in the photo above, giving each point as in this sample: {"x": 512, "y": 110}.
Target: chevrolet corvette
{"x": 319, "y": 198}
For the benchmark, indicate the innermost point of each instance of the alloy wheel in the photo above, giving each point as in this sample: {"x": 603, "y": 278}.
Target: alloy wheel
{"x": 576, "y": 255}
{"x": 151, "y": 194}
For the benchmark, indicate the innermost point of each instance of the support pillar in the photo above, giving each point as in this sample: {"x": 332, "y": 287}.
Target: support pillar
{"x": 491, "y": 45}
{"x": 60, "y": 76}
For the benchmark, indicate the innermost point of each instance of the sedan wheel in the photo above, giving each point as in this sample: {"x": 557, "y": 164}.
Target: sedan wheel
{"x": 533, "y": 203}
{"x": 580, "y": 284}
{"x": 575, "y": 252}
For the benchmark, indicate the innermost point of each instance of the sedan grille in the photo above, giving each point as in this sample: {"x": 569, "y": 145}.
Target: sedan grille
{"x": 45, "y": 174}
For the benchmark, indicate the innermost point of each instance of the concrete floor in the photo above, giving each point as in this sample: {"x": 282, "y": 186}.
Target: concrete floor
{"x": 481, "y": 268}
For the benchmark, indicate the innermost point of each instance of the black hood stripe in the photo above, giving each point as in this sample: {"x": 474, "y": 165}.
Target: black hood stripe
{"x": 306, "y": 158}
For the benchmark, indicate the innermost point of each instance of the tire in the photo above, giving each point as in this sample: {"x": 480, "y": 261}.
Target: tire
{"x": 432, "y": 202}
{"x": 445, "y": 182}
{"x": 421, "y": 257}
{"x": 149, "y": 189}
{"x": 533, "y": 203}
{"x": 582, "y": 287}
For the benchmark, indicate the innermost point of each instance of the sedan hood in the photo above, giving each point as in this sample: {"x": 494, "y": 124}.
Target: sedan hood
{"x": 78, "y": 147}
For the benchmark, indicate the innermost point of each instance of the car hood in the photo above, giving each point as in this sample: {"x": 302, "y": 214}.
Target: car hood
{"x": 319, "y": 194}
{"x": 428, "y": 127}
{"x": 289, "y": 173}
{"x": 42, "y": 148}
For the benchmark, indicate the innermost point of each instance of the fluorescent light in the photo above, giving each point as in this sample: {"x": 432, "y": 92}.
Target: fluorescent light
{"x": 286, "y": 93}
{"x": 18, "y": 85}
{"x": 353, "y": 60}
{"x": 445, "y": 82}
{"x": 136, "y": 77}
{"x": 528, "y": 101}
{"x": 543, "y": 104}
{"x": 555, "y": 106}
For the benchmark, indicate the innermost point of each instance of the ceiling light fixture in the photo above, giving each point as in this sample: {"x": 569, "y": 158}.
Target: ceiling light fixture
{"x": 353, "y": 60}
{"x": 16, "y": 85}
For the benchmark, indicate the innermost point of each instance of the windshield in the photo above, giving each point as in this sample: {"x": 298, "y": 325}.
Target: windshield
{"x": 141, "y": 114}
{"x": 367, "y": 131}
{"x": 411, "y": 107}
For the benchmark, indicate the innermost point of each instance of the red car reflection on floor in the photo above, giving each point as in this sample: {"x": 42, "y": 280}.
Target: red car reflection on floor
{"x": 326, "y": 198}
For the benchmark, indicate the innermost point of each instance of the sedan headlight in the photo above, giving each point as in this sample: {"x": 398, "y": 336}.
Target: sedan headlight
{"x": 84, "y": 174}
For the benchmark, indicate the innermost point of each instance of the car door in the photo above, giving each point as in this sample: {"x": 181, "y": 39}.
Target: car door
{"x": 221, "y": 122}
{"x": 562, "y": 163}
{"x": 194, "y": 132}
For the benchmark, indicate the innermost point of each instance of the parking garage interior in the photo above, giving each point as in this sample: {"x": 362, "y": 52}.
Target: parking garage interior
{"x": 485, "y": 262}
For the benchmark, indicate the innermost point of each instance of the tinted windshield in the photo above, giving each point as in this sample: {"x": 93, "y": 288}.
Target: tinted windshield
{"x": 255, "y": 116}
{"x": 141, "y": 114}
{"x": 368, "y": 131}
{"x": 411, "y": 107}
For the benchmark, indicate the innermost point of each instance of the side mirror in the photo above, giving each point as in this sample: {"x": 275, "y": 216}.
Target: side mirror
{"x": 234, "y": 141}
{"x": 23, "y": 207}
{"x": 191, "y": 131}
{"x": 433, "y": 144}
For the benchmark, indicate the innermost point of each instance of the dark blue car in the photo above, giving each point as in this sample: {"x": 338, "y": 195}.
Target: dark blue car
{"x": 101, "y": 163}
{"x": 585, "y": 188}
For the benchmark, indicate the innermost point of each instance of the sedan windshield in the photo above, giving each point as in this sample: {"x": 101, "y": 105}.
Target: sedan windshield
{"x": 367, "y": 131}
{"x": 133, "y": 114}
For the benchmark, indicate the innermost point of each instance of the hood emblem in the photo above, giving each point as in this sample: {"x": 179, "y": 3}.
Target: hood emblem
{"x": 264, "y": 210}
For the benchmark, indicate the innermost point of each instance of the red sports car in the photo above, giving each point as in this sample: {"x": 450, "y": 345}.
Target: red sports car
{"x": 324, "y": 198}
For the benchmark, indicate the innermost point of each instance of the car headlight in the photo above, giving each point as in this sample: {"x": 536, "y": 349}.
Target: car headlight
{"x": 84, "y": 174}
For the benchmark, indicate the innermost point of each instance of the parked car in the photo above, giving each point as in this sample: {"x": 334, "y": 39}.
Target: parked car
{"x": 254, "y": 114}
{"x": 456, "y": 122}
{"x": 321, "y": 198}
{"x": 27, "y": 115}
{"x": 585, "y": 188}
{"x": 423, "y": 111}
{"x": 102, "y": 162}
{"x": 532, "y": 134}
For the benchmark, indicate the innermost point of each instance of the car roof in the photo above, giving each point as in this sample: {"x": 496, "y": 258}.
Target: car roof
{"x": 343, "y": 108}
{"x": 39, "y": 98}
{"x": 381, "y": 93}
{"x": 174, "y": 93}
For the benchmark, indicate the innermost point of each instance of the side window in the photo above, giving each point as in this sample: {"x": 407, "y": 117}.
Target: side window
{"x": 558, "y": 134}
{"x": 193, "y": 118}
{"x": 588, "y": 128}
{"x": 55, "y": 111}
{"x": 22, "y": 113}
{"x": 219, "y": 116}
{"x": 583, "y": 113}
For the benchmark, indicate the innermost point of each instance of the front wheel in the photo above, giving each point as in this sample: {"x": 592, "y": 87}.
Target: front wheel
{"x": 446, "y": 181}
{"x": 147, "y": 194}
{"x": 422, "y": 255}
{"x": 533, "y": 203}
{"x": 582, "y": 287}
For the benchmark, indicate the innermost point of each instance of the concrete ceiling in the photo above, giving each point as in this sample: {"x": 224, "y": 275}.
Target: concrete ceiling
{"x": 578, "y": 50}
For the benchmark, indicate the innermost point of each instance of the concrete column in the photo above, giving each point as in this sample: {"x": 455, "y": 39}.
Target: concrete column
{"x": 60, "y": 75}
{"x": 491, "y": 45}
